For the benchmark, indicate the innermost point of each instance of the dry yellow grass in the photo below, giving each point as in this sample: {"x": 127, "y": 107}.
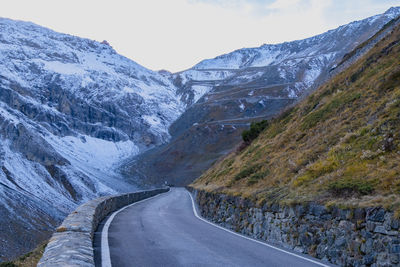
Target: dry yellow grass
{"x": 30, "y": 259}
{"x": 339, "y": 146}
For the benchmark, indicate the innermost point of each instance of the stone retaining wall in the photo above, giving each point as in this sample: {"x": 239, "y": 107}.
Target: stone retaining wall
{"x": 72, "y": 244}
{"x": 346, "y": 237}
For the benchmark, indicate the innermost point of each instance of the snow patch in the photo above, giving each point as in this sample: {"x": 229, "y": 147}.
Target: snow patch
{"x": 128, "y": 90}
{"x": 292, "y": 94}
{"x": 199, "y": 91}
{"x": 94, "y": 152}
{"x": 156, "y": 125}
{"x": 311, "y": 75}
{"x": 204, "y": 75}
{"x": 63, "y": 68}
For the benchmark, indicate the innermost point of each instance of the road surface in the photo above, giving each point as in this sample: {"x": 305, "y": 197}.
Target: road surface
{"x": 164, "y": 231}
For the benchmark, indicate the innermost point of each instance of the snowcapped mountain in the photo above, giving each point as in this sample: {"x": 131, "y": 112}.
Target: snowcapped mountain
{"x": 231, "y": 90}
{"x": 296, "y": 64}
{"x": 71, "y": 110}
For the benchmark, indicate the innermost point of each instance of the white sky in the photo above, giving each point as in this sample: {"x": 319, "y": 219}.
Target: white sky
{"x": 176, "y": 34}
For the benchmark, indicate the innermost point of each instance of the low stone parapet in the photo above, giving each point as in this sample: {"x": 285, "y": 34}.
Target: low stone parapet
{"x": 72, "y": 244}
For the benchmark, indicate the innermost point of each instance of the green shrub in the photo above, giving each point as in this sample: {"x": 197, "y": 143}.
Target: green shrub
{"x": 255, "y": 129}
{"x": 8, "y": 264}
{"x": 347, "y": 187}
{"x": 223, "y": 172}
{"x": 392, "y": 81}
{"x": 247, "y": 172}
{"x": 256, "y": 177}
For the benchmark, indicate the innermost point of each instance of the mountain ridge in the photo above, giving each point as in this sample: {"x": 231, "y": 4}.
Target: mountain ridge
{"x": 232, "y": 98}
{"x": 337, "y": 147}
{"x": 391, "y": 12}
{"x": 73, "y": 112}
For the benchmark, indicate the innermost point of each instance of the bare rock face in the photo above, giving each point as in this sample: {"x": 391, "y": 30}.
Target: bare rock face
{"x": 250, "y": 84}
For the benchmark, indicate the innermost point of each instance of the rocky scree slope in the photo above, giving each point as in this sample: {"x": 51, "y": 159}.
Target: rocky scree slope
{"x": 338, "y": 147}
{"x": 71, "y": 110}
{"x": 230, "y": 91}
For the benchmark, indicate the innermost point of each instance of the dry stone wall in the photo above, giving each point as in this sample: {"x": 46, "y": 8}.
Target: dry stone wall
{"x": 346, "y": 237}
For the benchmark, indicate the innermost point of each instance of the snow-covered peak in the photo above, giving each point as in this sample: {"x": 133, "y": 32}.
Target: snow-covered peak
{"x": 72, "y": 110}
{"x": 35, "y": 57}
{"x": 296, "y": 65}
{"x": 392, "y": 12}
{"x": 272, "y": 54}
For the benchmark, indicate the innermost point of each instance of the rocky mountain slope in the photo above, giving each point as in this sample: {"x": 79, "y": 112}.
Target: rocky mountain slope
{"x": 71, "y": 110}
{"x": 248, "y": 84}
{"x": 338, "y": 147}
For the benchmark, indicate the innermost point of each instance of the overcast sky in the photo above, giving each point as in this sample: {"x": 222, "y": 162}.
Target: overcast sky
{"x": 176, "y": 34}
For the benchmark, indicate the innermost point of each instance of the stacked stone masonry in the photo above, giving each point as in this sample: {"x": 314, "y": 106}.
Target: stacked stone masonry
{"x": 72, "y": 244}
{"x": 346, "y": 237}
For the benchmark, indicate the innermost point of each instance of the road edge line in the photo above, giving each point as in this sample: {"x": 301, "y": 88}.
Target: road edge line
{"x": 105, "y": 249}
{"x": 248, "y": 238}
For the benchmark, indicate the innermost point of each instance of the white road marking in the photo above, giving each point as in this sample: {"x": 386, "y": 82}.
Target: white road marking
{"x": 251, "y": 239}
{"x": 105, "y": 249}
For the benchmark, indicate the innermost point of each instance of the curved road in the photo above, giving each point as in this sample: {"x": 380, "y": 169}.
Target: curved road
{"x": 164, "y": 231}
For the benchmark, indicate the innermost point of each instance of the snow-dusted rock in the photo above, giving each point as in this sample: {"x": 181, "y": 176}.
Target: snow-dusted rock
{"x": 71, "y": 111}
{"x": 296, "y": 64}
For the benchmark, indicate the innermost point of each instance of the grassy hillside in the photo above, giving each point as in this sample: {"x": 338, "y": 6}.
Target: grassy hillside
{"x": 340, "y": 145}
{"x": 30, "y": 259}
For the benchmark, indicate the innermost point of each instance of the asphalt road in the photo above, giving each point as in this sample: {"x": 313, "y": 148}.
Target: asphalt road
{"x": 164, "y": 231}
